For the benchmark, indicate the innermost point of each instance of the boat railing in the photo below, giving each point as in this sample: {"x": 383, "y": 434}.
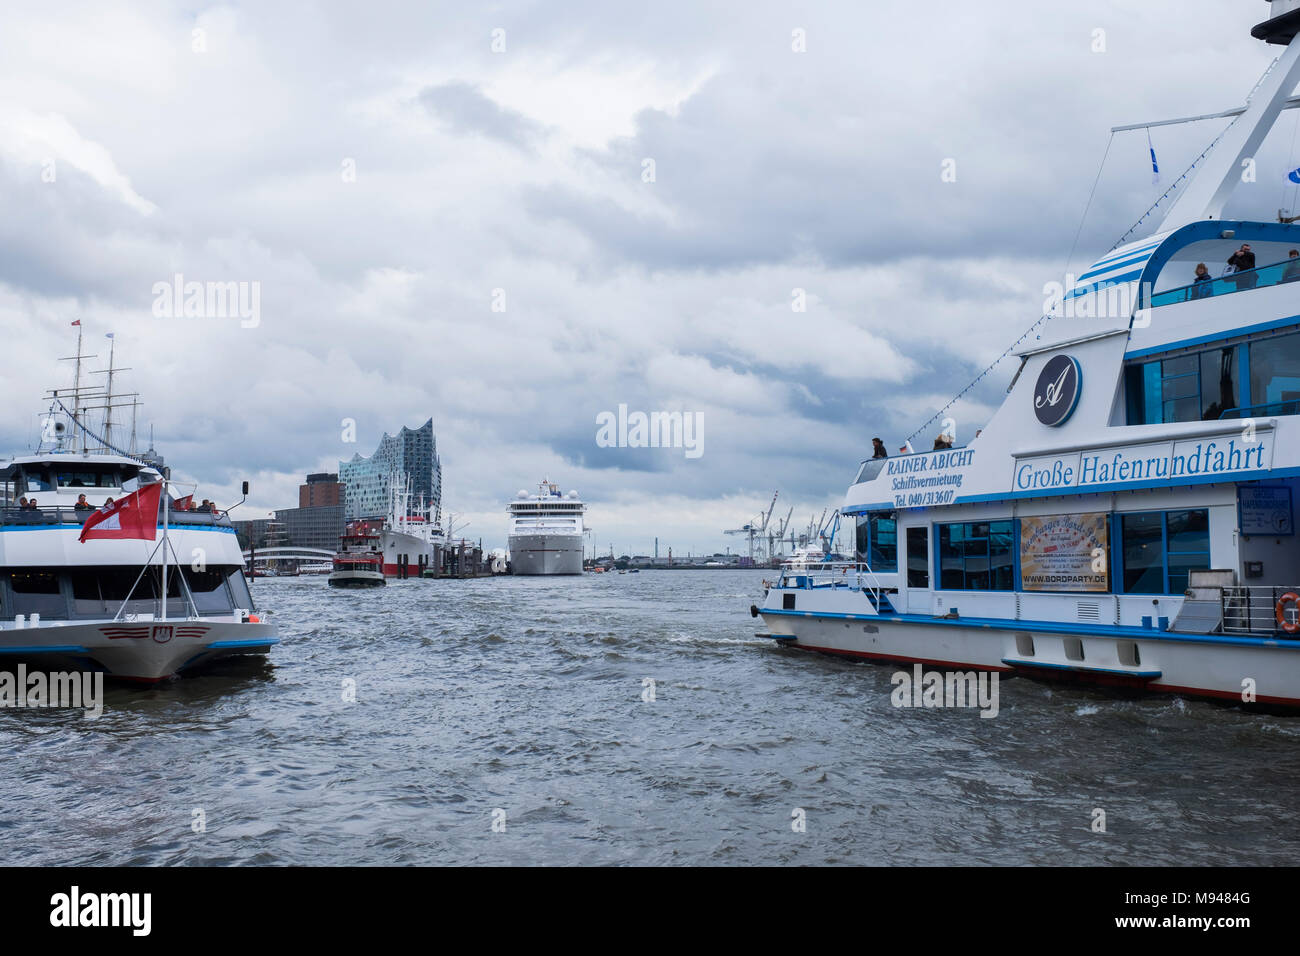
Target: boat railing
{"x": 1261, "y": 610}
{"x": 855, "y": 575}
{"x": 1277, "y": 273}
{"x": 1263, "y": 410}
{"x": 13, "y": 516}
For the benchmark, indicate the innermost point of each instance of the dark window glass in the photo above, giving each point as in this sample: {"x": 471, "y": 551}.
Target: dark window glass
{"x": 1144, "y": 558}
{"x": 977, "y": 556}
{"x": 1275, "y": 372}
{"x": 208, "y": 589}
{"x": 37, "y": 591}
{"x": 918, "y": 558}
{"x": 884, "y": 543}
{"x": 1218, "y": 382}
{"x": 863, "y": 538}
{"x": 1189, "y": 531}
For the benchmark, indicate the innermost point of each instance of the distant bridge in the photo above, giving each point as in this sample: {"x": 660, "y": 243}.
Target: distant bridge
{"x": 289, "y": 554}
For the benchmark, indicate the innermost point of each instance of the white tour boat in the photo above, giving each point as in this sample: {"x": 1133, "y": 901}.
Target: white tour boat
{"x": 546, "y": 532}
{"x": 1127, "y": 516}
{"x": 142, "y": 608}
{"x": 359, "y": 562}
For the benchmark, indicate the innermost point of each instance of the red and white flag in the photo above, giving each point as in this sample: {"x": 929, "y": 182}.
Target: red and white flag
{"x": 135, "y": 516}
{"x": 183, "y": 504}
{"x": 77, "y": 322}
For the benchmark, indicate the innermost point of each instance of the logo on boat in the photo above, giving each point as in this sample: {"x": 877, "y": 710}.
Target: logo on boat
{"x": 162, "y": 633}
{"x": 1057, "y": 393}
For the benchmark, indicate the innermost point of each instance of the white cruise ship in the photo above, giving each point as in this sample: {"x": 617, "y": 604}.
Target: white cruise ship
{"x": 1127, "y": 516}
{"x": 547, "y": 532}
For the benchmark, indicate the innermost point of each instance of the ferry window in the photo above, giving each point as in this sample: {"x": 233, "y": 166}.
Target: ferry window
{"x": 1218, "y": 382}
{"x": 918, "y": 557}
{"x": 37, "y": 480}
{"x": 239, "y": 589}
{"x": 208, "y": 589}
{"x": 1275, "y": 372}
{"x": 37, "y": 591}
{"x": 1188, "y": 388}
{"x": 1144, "y": 554}
{"x": 884, "y": 543}
{"x": 869, "y": 469}
{"x": 1160, "y": 548}
{"x": 976, "y": 556}
{"x": 1180, "y": 389}
{"x": 877, "y": 541}
{"x": 1189, "y": 545}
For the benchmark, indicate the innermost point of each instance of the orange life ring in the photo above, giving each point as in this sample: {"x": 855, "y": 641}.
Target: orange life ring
{"x": 1280, "y": 611}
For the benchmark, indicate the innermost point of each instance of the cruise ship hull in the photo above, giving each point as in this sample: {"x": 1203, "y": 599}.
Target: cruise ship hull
{"x": 545, "y": 554}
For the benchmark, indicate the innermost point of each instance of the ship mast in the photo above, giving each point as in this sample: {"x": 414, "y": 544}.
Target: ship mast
{"x": 1206, "y": 194}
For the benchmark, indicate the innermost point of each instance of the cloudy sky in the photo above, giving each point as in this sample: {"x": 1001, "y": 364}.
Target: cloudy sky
{"x": 388, "y": 173}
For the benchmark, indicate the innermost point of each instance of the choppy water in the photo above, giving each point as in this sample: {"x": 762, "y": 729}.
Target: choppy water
{"x": 526, "y": 695}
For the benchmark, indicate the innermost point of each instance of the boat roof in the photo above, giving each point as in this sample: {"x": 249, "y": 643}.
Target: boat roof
{"x": 70, "y": 459}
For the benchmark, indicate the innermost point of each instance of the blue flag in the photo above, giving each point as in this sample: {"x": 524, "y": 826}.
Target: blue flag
{"x": 1155, "y": 167}
{"x": 1294, "y": 176}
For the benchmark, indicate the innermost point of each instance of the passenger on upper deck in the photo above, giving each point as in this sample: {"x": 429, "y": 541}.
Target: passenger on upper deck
{"x": 1242, "y": 261}
{"x": 22, "y": 503}
{"x": 206, "y": 507}
{"x": 82, "y": 504}
{"x": 1292, "y": 271}
{"x": 878, "y": 447}
{"x": 1202, "y": 275}
{"x": 943, "y": 441}
{"x": 31, "y": 504}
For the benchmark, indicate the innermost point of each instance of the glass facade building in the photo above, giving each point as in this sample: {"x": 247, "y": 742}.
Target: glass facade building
{"x": 410, "y": 454}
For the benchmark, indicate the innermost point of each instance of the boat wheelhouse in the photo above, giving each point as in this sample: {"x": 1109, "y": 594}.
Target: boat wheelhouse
{"x": 1127, "y": 516}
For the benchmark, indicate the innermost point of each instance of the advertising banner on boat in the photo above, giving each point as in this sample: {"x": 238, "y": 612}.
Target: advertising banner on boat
{"x": 1065, "y": 553}
{"x": 1185, "y": 462}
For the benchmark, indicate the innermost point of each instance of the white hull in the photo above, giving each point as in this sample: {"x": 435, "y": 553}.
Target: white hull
{"x": 140, "y": 650}
{"x": 546, "y": 554}
{"x": 1139, "y": 658}
{"x": 356, "y": 579}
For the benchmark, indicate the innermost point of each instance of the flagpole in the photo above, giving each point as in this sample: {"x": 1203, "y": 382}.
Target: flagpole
{"x": 166, "y": 547}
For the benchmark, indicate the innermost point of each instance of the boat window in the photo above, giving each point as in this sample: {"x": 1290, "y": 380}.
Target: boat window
{"x": 35, "y": 479}
{"x": 870, "y": 468}
{"x": 877, "y": 541}
{"x": 239, "y": 589}
{"x": 97, "y": 478}
{"x": 918, "y": 557}
{"x": 37, "y": 591}
{"x": 1275, "y": 373}
{"x": 976, "y": 556}
{"x": 208, "y": 588}
{"x": 1158, "y": 549}
{"x": 1196, "y": 387}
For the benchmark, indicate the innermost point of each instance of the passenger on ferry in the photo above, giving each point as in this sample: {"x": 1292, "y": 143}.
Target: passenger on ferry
{"x": 108, "y": 502}
{"x": 206, "y": 507}
{"x": 943, "y": 441}
{"x": 1242, "y": 261}
{"x": 1202, "y": 275}
{"x": 82, "y": 504}
{"x": 31, "y": 504}
{"x": 1292, "y": 271}
{"x": 879, "y": 449}
{"x": 22, "y": 503}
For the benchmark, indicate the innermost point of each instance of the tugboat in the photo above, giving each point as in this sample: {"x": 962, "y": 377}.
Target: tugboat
{"x": 360, "y": 559}
{"x": 90, "y": 540}
{"x": 1127, "y": 516}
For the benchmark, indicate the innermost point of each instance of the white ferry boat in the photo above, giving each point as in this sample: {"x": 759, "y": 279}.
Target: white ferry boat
{"x": 359, "y": 562}
{"x": 1127, "y": 516}
{"x": 133, "y": 607}
{"x": 546, "y": 531}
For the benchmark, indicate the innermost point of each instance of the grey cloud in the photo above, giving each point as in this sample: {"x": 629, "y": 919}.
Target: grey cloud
{"x": 465, "y": 108}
